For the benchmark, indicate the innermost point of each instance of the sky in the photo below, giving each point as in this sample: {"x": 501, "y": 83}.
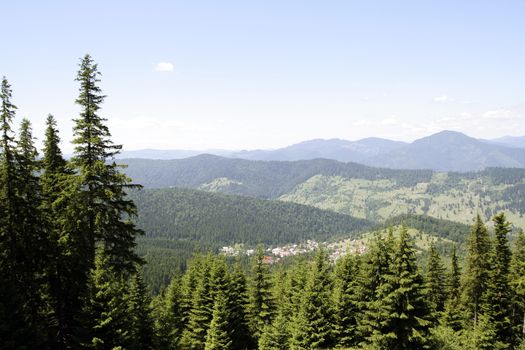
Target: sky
{"x": 268, "y": 73}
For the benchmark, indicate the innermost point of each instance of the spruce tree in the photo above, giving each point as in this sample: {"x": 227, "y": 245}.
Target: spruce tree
{"x": 32, "y": 237}
{"x": 201, "y": 312}
{"x": 517, "y": 284}
{"x": 169, "y": 316}
{"x": 53, "y": 163}
{"x": 374, "y": 272}
{"x": 276, "y": 336}
{"x": 315, "y": 324}
{"x": 261, "y": 306}
{"x": 218, "y": 334}
{"x": 140, "y": 313}
{"x": 347, "y": 271}
{"x": 107, "y": 309}
{"x": 67, "y": 270}
{"x": 19, "y": 323}
{"x": 238, "y": 300}
{"x": 477, "y": 268}
{"x": 436, "y": 281}
{"x": 61, "y": 294}
{"x": 497, "y": 298}
{"x": 105, "y": 208}
{"x": 402, "y": 310}
{"x": 452, "y": 315}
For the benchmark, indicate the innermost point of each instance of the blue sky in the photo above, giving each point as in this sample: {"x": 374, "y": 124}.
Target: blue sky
{"x": 264, "y": 74}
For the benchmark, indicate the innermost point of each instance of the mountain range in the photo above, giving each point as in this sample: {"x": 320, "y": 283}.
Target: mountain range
{"x": 443, "y": 151}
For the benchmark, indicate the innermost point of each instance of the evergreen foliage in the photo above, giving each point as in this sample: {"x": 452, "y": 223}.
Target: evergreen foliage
{"x": 452, "y": 315}
{"x": 347, "y": 292}
{"x": 517, "y": 284}
{"x": 436, "y": 281}
{"x": 70, "y": 276}
{"x": 315, "y": 323}
{"x": 499, "y": 313}
{"x": 403, "y": 313}
{"x": 477, "y": 267}
{"x": 260, "y": 297}
{"x": 140, "y": 314}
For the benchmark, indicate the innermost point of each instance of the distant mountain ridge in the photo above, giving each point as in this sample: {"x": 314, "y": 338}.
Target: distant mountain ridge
{"x": 443, "y": 151}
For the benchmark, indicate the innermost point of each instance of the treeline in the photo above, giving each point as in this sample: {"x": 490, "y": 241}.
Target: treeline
{"x": 381, "y": 299}
{"x": 68, "y": 266}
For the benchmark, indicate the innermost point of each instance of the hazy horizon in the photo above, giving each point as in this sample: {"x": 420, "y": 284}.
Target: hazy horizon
{"x": 234, "y": 75}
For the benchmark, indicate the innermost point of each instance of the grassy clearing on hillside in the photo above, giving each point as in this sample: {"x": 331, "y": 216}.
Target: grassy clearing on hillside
{"x": 378, "y": 200}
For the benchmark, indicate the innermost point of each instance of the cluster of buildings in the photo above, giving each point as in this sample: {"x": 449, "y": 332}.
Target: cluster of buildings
{"x": 273, "y": 255}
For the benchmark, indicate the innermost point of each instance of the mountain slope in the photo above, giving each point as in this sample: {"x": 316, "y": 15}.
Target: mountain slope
{"x": 217, "y": 219}
{"x": 253, "y": 178}
{"x": 510, "y": 141}
{"x": 450, "y": 151}
{"x": 336, "y": 149}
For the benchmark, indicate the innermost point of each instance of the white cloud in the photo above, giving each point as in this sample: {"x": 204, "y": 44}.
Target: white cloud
{"x": 442, "y": 98}
{"x": 389, "y": 121}
{"x": 164, "y": 67}
{"x": 502, "y": 114}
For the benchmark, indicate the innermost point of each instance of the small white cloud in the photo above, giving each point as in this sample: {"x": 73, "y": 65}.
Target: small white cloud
{"x": 389, "y": 121}
{"x": 502, "y": 114}
{"x": 442, "y": 98}
{"x": 164, "y": 67}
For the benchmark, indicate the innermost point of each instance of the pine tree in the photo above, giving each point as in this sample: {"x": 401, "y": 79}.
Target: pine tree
{"x": 517, "y": 284}
{"x": 347, "y": 271}
{"x": 140, "y": 313}
{"x": 497, "y": 298}
{"x": 261, "y": 306}
{"x": 103, "y": 187}
{"x": 436, "y": 281}
{"x": 477, "y": 267}
{"x": 218, "y": 334}
{"x": 401, "y": 307}
{"x": 315, "y": 324}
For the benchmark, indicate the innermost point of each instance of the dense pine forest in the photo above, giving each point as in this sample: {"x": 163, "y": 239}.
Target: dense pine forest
{"x": 72, "y": 277}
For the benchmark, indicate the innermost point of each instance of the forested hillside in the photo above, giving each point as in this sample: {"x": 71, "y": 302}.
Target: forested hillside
{"x": 254, "y": 178}
{"x": 218, "y": 219}
{"x": 381, "y": 299}
{"x": 370, "y": 193}
{"x": 72, "y": 275}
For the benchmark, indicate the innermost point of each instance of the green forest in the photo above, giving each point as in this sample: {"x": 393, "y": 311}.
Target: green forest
{"x": 74, "y": 257}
